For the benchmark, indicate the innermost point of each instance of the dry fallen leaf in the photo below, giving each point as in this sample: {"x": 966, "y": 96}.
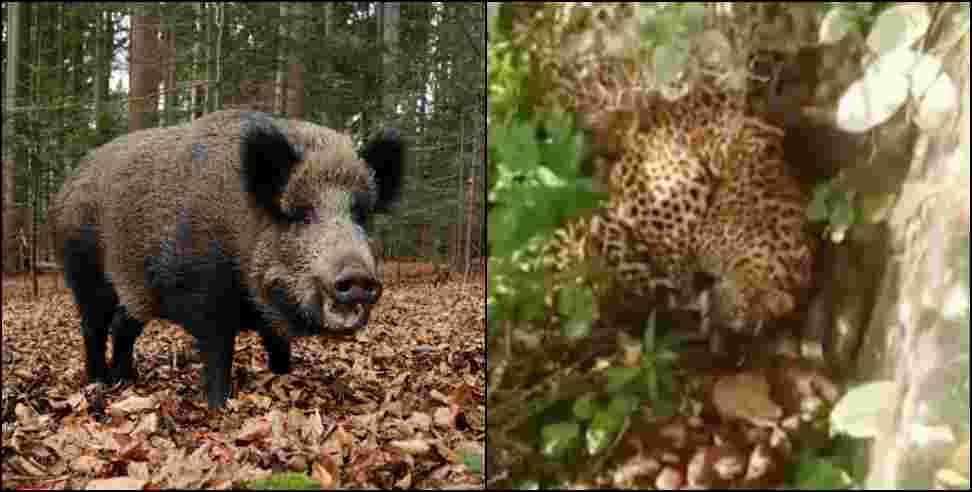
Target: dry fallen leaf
{"x": 117, "y": 483}
{"x": 160, "y": 431}
{"x": 132, "y": 404}
{"x": 255, "y": 430}
{"x": 445, "y": 417}
{"x": 325, "y": 471}
{"x": 746, "y": 396}
{"x": 411, "y": 446}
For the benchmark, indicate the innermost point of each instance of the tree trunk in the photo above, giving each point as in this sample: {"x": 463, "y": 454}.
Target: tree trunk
{"x": 219, "y": 12}
{"x": 295, "y": 66}
{"x": 143, "y": 71}
{"x": 279, "y": 89}
{"x": 167, "y": 69}
{"x": 194, "y": 93}
{"x": 9, "y": 154}
{"x": 210, "y": 21}
{"x": 390, "y": 16}
{"x": 460, "y": 201}
{"x": 100, "y": 72}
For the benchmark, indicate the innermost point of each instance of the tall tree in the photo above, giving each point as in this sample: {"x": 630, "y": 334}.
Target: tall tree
{"x": 196, "y": 91}
{"x": 390, "y": 17}
{"x": 9, "y": 157}
{"x": 279, "y": 89}
{"x": 142, "y": 67}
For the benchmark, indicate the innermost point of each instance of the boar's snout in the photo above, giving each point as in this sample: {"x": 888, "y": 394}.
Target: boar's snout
{"x": 348, "y": 296}
{"x": 353, "y": 286}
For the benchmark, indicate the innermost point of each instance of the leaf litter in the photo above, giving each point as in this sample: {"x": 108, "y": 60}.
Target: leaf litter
{"x": 402, "y": 404}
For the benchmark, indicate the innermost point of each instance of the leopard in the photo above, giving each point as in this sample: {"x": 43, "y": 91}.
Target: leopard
{"x": 697, "y": 185}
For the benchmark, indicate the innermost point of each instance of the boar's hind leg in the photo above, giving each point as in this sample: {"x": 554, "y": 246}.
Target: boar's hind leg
{"x": 95, "y": 296}
{"x": 124, "y": 331}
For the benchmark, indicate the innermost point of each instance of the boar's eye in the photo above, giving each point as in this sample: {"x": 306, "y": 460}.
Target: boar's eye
{"x": 305, "y": 215}
{"x": 360, "y": 208}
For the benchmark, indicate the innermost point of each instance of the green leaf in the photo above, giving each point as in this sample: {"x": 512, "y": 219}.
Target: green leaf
{"x": 517, "y": 146}
{"x": 285, "y": 481}
{"x": 527, "y": 485}
{"x": 864, "y": 410}
{"x": 619, "y": 377}
{"x": 561, "y": 152}
{"x": 693, "y": 16}
{"x": 547, "y": 178}
{"x": 560, "y": 439}
{"x": 821, "y": 474}
{"x": 602, "y": 430}
{"x": 473, "y": 461}
{"x": 842, "y": 212}
{"x": 664, "y": 407}
{"x": 623, "y": 404}
{"x": 648, "y": 336}
{"x": 585, "y": 407}
{"x": 576, "y": 329}
{"x": 577, "y": 302}
{"x": 819, "y": 206}
{"x": 668, "y": 61}
{"x": 898, "y": 27}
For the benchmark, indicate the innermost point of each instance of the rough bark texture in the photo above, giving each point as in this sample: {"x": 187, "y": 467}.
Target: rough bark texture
{"x": 144, "y": 70}
{"x": 9, "y": 164}
{"x": 913, "y": 339}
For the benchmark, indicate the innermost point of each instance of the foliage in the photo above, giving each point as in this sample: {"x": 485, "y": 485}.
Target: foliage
{"x": 473, "y": 461}
{"x": 535, "y": 185}
{"x": 568, "y": 430}
{"x": 285, "y": 481}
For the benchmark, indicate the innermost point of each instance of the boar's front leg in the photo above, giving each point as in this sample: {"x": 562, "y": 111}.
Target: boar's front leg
{"x": 219, "y": 368}
{"x": 124, "y": 331}
{"x": 276, "y": 344}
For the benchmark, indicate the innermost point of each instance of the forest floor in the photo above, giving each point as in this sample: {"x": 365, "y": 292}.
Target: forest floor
{"x": 402, "y": 404}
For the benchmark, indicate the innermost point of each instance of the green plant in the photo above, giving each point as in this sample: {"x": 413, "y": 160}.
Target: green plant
{"x": 285, "y": 481}
{"x": 596, "y": 420}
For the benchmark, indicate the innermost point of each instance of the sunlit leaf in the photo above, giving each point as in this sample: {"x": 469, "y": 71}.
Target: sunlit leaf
{"x": 547, "y": 178}
{"x": 648, "y": 336}
{"x": 713, "y": 46}
{"x": 576, "y": 329}
{"x": 577, "y": 302}
{"x": 585, "y": 407}
{"x": 473, "y": 461}
{"x": 838, "y": 22}
{"x": 821, "y": 474}
{"x": 619, "y": 377}
{"x": 668, "y": 60}
{"x": 623, "y": 404}
{"x": 602, "y": 430}
{"x": 819, "y": 208}
{"x": 560, "y": 439}
{"x": 937, "y": 104}
{"x": 864, "y": 410}
{"x": 898, "y": 27}
{"x": 842, "y": 211}
{"x": 871, "y": 100}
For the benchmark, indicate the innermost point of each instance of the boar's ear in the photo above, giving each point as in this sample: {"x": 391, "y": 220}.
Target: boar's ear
{"x": 385, "y": 153}
{"x": 267, "y": 159}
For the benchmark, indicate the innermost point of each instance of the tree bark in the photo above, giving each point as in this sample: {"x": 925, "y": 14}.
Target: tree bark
{"x": 9, "y": 155}
{"x": 143, "y": 71}
{"x": 279, "y": 89}
{"x": 390, "y": 17}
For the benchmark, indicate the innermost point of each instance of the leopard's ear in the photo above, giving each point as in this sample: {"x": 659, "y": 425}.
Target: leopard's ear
{"x": 778, "y": 303}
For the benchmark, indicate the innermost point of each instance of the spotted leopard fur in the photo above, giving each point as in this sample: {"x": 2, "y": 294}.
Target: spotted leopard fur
{"x": 698, "y": 184}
